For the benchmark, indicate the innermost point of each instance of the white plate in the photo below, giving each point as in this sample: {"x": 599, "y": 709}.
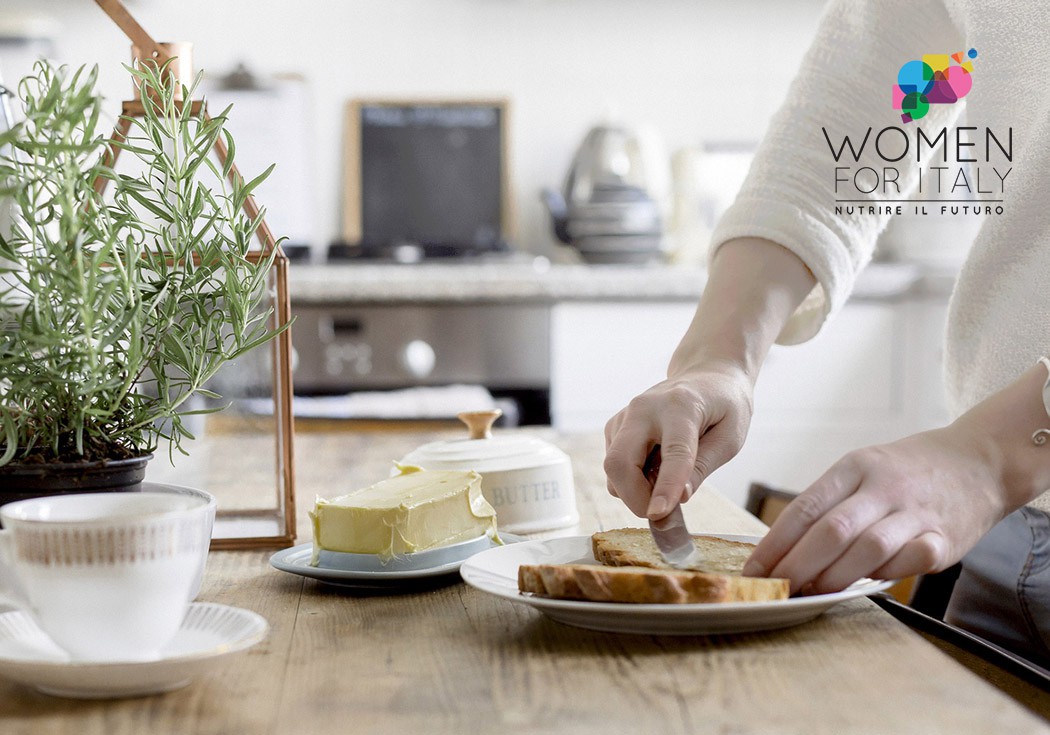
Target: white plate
{"x": 209, "y": 632}
{"x": 496, "y": 572}
{"x": 364, "y": 571}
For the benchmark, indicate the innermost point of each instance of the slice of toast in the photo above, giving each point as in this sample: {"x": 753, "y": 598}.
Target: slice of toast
{"x": 644, "y": 585}
{"x": 634, "y": 547}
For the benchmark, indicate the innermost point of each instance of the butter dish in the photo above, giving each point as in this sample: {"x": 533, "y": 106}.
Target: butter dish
{"x": 364, "y": 571}
{"x": 527, "y": 480}
{"x": 419, "y": 561}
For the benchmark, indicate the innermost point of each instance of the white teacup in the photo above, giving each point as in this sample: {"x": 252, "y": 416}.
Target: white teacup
{"x": 207, "y": 519}
{"x": 108, "y": 576}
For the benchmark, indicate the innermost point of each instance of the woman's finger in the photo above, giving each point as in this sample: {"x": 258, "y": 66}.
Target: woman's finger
{"x": 834, "y": 486}
{"x": 677, "y": 462}
{"x": 874, "y": 547}
{"x": 924, "y": 554}
{"x": 623, "y": 467}
{"x": 829, "y": 539}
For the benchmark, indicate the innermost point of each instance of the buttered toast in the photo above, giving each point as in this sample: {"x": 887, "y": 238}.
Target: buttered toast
{"x": 632, "y": 570}
{"x": 634, "y": 547}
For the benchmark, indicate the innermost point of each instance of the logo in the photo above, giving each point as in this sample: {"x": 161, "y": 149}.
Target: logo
{"x": 952, "y": 170}
{"x": 936, "y": 79}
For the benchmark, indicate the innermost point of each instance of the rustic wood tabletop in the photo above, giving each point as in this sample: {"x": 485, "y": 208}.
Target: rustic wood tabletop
{"x": 451, "y": 659}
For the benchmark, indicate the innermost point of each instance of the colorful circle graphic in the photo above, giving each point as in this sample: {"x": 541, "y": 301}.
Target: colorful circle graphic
{"x": 915, "y": 76}
{"x": 934, "y": 79}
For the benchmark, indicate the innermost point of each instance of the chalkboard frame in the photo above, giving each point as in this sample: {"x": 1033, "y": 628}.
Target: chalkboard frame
{"x": 352, "y": 163}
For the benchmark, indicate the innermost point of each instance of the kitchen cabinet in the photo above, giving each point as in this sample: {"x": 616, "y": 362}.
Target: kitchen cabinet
{"x": 605, "y": 353}
{"x": 872, "y": 375}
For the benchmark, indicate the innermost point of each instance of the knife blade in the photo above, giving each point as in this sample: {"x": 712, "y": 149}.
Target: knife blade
{"x": 670, "y": 533}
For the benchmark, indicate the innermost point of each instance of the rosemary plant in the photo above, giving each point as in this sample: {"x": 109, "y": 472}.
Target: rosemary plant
{"x": 116, "y": 309}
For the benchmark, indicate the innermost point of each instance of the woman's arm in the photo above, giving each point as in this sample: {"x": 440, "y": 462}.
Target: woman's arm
{"x": 842, "y": 90}
{"x": 701, "y": 413}
{"x": 758, "y": 291}
{"x": 754, "y": 286}
{"x": 916, "y": 505}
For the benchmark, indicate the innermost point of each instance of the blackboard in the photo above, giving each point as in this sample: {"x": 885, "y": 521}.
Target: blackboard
{"x": 432, "y": 174}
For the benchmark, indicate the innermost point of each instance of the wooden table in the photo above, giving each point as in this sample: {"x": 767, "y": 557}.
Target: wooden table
{"x": 455, "y": 660}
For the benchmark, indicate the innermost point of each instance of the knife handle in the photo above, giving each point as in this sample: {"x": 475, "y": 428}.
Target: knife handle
{"x": 651, "y": 468}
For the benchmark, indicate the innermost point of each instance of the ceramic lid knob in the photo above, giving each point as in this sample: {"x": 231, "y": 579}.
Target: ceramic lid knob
{"x": 480, "y": 422}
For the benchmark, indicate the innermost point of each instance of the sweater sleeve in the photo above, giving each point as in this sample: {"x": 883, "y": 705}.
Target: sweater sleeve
{"x": 844, "y": 86}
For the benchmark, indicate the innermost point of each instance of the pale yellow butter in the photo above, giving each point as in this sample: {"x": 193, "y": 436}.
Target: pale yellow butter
{"x": 413, "y": 511}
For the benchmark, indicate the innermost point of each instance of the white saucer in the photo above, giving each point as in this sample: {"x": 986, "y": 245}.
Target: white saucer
{"x": 496, "y": 572}
{"x": 366, "y": 572}
{"x": 209, "y": 632}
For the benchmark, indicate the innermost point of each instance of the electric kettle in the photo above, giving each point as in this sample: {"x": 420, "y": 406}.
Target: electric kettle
{"x": 607, "y": 209}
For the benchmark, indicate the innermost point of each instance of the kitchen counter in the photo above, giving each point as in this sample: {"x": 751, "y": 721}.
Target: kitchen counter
{"x": 455, "y": 660}
{"x": 541, "y": 282}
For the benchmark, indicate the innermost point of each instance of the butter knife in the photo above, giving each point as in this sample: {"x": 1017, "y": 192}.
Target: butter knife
{"x": 670, "y": 533}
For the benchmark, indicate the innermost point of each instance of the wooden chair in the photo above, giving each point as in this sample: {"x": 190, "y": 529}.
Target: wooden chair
{"x": 766, "y": 503}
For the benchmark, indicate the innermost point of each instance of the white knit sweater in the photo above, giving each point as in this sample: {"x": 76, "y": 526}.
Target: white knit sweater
{"x": 999, "y": 317}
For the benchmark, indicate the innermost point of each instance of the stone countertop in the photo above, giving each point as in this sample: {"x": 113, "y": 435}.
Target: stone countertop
{"x": 543, "y": 283}
{"x": 466, "y": 282}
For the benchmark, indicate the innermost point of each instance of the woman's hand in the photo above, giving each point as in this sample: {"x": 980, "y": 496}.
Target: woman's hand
{"x": 889, "y": 511}
{"x": 699, "y": 417}
{"x": 916, "y": 505}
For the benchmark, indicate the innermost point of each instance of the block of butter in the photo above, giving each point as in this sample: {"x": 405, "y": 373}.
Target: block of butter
{"x": 413, "y": 511}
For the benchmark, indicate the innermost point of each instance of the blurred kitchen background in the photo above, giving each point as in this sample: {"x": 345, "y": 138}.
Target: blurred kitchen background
{"x": 429, "y": 276}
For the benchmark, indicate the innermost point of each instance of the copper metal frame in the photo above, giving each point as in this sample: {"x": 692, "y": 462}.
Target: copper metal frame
{"x": 281, "y": 348}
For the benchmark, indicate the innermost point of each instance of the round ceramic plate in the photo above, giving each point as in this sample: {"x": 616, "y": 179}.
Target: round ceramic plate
{"x": 365, "y": 571}
{"x": 496, "y": 572}
{"x": 209, "y": 632}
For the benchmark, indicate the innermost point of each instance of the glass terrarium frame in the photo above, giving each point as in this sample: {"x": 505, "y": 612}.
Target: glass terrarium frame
{"x": 235, "y": 528}
{"x": 273, "y": 510}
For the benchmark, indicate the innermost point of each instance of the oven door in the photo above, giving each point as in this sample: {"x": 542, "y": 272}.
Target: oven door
{"x": 503, "y": 347}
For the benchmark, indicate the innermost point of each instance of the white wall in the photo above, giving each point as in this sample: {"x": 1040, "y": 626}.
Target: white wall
{"x": 695, "y": 69}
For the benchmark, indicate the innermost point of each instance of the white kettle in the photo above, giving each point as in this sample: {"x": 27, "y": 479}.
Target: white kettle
{"x": 610, "y": 207}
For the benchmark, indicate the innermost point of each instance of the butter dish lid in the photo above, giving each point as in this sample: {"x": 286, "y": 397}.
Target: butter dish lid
{"x": 483, "y": 452}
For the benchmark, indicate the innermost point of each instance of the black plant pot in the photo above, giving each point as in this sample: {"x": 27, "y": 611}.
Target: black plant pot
{"x": 24, "y": 481}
